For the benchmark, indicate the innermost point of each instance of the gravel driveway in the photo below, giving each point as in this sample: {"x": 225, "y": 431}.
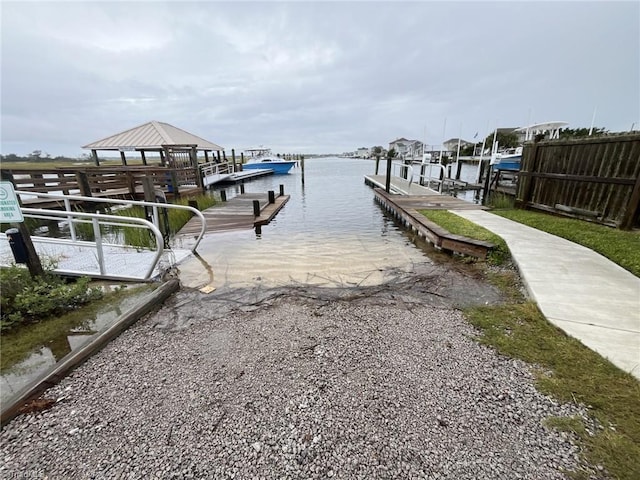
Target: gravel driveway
{"x": 296, "y": 383}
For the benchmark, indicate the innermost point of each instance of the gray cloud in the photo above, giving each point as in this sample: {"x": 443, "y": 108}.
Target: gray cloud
{"x": 312, "y": 76}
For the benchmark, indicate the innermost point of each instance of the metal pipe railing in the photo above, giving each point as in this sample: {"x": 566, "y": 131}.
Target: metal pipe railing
{"x": 97, "y": 219}
{"x": 156, "y": 220}
{"x": 429, "y": 177}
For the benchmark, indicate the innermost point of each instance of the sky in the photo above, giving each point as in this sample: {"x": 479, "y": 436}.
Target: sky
{"x": 312, "y": 76}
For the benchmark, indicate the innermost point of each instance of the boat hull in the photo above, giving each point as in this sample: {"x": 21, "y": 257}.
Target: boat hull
{"x": 507, "y": 162}
{"x": 279, "y": 168}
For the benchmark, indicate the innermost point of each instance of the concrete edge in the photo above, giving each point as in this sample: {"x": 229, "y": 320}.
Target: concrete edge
{"x": 74, "y": 359}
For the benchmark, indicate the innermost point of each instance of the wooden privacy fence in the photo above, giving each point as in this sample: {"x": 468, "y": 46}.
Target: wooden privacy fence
{"x": 596, "y": 179}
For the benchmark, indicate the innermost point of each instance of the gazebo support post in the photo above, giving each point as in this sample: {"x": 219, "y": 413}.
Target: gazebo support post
{"x": 94, "y": 154}
{"x": 194, "y": 164}
{"x": 123, "y": 157}
{"x": 144, "y": 158}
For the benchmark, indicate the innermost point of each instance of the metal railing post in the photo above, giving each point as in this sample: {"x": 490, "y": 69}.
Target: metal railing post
{"x": 98, "y": 237}
{"x": 72, "y": 226}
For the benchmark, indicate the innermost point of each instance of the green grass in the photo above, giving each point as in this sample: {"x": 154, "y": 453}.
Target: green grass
{"x": 571, "y": 372}
{"x": 18, "y": 344}
{"x": 500, "y": 200}
{"x": 139, "y": 237}
{"x": 619, "y": 246}
{"x": 565, "y": 368}
{"x": 461, "y": 226}
{"x": 26, "y": 299}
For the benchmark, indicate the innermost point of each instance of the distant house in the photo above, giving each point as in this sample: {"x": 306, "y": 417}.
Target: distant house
{"x": 414, "y": 150}
{"x": 451, "y": 145}
{"x": 399, "y": 145}
{"x": 363, "y": 152}
{"x": 407, "y": 149}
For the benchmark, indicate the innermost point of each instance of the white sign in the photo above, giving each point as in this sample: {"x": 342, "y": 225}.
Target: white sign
{"x": 9, "y": 207}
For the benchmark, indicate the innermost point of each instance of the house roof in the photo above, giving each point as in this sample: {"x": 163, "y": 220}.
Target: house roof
{"x": 152, "y": 136}
{"x": 455, "y": 140}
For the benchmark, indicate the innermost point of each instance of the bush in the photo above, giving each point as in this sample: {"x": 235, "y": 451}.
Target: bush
{"x": 25, "y": 299}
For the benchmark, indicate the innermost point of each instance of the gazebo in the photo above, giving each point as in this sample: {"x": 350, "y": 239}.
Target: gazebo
{"x": 177, "y": 148}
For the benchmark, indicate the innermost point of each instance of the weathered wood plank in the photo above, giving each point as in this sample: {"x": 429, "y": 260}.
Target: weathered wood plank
{"x": 236, "y": 214}
{"x": 406, "y": 207}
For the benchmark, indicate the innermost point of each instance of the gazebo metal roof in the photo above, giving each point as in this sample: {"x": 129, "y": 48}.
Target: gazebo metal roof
{"x": 152, "y": 136}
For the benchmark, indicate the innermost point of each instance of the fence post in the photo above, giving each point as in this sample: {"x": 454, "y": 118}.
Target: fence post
{"x": 632, "y": 207}
{"x": 527, "y": 181}
{"x": 83, "y": 184}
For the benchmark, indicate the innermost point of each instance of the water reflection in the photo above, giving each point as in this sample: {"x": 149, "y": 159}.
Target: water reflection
{"x": 330, "y": 233}
{"x": 38, "y": 347}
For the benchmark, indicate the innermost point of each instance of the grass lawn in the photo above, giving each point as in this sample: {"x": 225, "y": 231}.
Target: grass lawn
{"x": 565, "y": 369}
{"x": 460, "y": 226}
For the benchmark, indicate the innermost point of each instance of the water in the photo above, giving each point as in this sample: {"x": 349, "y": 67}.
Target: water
{"x": 42, "y": 345}
{"x": 330, "y": 233}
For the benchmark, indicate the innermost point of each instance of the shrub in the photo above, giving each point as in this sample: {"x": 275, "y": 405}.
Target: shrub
{"x": 25, "y": 299}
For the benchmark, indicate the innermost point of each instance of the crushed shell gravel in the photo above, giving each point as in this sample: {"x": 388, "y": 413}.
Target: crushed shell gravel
{"x": 294, "y": 388}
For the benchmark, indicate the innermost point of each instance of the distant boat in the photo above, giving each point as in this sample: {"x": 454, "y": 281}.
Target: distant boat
{"x": 262, "y": 158}
{"x": 508, "y": 160}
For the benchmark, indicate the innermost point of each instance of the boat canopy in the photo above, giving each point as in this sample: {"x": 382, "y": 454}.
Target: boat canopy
{"x": 537, "y": 128}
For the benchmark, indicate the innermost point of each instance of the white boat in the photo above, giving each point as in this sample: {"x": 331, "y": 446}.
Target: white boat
{"x": 262, "y": 158}
{"x": 510, "y": 159}
{"x": 507, "y": 160}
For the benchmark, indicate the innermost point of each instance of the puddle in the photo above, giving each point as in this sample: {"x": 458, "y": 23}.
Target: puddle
{"x": 36, "y": 348}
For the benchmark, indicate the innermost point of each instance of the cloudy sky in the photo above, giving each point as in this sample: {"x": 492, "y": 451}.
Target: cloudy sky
{"x": 306, "y": 76}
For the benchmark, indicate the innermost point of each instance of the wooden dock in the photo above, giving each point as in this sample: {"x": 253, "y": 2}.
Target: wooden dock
{"x": 236, "y": 214}
{"x": 406, "y": 209}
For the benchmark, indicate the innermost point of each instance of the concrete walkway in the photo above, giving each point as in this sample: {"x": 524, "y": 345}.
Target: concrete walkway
{"x": 578, "y": 290}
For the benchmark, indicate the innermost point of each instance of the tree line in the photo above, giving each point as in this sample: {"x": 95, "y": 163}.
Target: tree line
{"x": 39, "y": 156}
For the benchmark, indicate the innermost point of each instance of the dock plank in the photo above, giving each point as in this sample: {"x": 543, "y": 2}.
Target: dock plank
{"x": 406, "y": 208}
{"x": 236, "y": 214}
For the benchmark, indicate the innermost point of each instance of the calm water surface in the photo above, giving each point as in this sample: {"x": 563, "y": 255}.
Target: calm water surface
{"x": 331, "y": 232}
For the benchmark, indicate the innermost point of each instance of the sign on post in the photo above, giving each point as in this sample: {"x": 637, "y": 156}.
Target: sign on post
{"x": 9, "y": 206}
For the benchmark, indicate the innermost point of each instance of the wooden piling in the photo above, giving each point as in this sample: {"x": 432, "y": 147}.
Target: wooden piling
{"x": 387, "y": 184}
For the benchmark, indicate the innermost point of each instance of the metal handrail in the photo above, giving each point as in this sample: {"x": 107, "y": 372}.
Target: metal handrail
{"x": 409, "y": 169}
{"x": 97, "y": 219}
{"x": 430, "y": 178}
{"x": 213, "y": 168}
{"x": 155, "y": 205}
